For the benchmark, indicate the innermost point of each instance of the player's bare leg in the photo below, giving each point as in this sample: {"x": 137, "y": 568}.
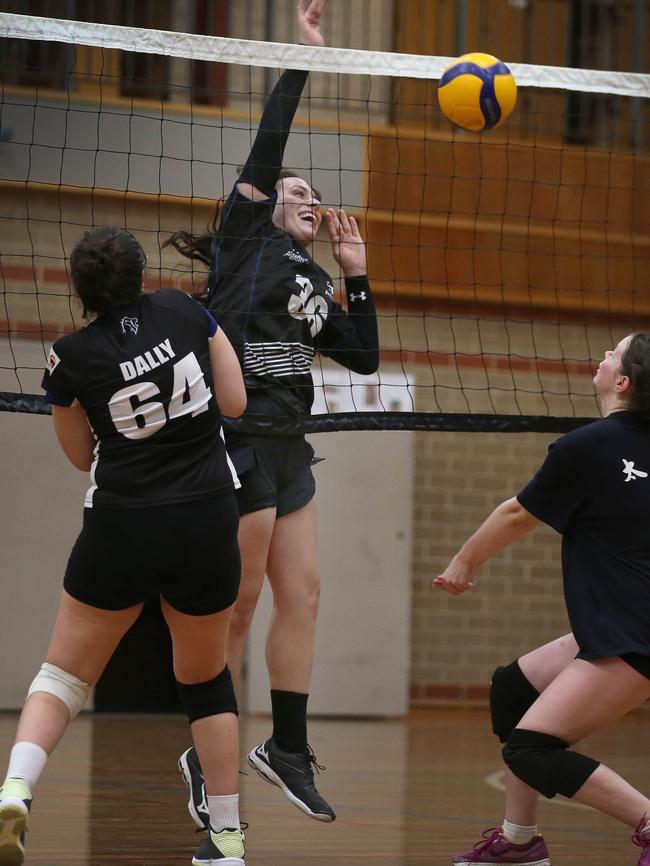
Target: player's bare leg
{"x": 83, "y": 640}
{"x": 285, "y": 759}
{"x": 254, "y": 537}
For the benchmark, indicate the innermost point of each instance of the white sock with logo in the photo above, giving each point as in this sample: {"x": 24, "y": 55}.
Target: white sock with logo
{"x": 518, "y": 834}
{"x": 27, "y": 761}
{"x": 224, "y": 812}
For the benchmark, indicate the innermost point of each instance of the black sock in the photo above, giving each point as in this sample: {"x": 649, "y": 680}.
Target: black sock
{"x": 289, "y": 720}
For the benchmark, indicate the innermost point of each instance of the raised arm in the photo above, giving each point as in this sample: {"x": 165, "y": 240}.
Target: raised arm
{"x": 262, "y": 168}
{"x": 351, "y": 339}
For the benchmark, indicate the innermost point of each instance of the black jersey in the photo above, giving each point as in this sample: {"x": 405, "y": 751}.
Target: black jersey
{"x": 594, "y": 488}
{"x": 276, "y": 306}
{"x": 144, "y": 379}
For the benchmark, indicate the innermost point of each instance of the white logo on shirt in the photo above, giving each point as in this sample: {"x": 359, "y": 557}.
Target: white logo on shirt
{"x": 308, "y": 305}
{"x": 295, "y": 257}
{"x": 131, "y": 324}
{"x": 53, "y": 360}
{"x": 631, "y": 474}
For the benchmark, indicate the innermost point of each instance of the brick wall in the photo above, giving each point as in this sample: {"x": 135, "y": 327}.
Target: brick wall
{"x": 518, "y": 602}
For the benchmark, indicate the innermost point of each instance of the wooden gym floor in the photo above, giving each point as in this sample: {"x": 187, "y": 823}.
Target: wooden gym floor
{"x": 411, "y": 791}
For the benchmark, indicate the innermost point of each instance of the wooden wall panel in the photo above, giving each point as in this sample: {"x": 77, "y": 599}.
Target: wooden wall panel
{"x": 502, "y": 223}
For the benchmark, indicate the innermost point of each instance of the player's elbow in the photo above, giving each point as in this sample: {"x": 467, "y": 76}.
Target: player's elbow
{"x": 233, "y": 404}
{"x": 366, "y": 363}
{"x": 82, "y": 462}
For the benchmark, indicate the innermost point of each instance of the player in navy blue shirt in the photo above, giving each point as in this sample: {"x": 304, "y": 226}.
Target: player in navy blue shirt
{"x": 594, "y": 489}
{"x": 277, "y": 306}
{"x": 137, "y": 396}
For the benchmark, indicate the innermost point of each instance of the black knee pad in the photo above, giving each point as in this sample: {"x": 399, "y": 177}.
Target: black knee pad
{"x": 543, "y": 762}
{"x": 511, "y": 695}
{"x": 208, "y": 699}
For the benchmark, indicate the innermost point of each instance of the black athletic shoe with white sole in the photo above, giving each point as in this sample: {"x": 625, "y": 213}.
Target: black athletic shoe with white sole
{"x": 293, "y": 773}
{"x": 197, "y": 805}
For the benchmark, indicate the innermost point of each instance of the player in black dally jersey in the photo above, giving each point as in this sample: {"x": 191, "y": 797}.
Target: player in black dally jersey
{"x": 276, "y": 305}
{"x": 593, "y": 488}
{"x": 136, "y": 398}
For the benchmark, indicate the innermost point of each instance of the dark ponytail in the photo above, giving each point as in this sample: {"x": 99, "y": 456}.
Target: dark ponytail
{"x": 199, "y": 247}
{"x": 106, "y": 266}
{"x": 196, "y": 247}
{"x": 635, "y": 364}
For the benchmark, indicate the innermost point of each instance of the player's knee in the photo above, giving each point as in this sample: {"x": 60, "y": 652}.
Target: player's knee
{"x": 210, "y": 698}
{"x": 511, "y": 695}
{"x": 241, "y": 618}
{"x": 544, "y": 762}
{"x": 298, "y": 602}
{"x": 63, "y": 685}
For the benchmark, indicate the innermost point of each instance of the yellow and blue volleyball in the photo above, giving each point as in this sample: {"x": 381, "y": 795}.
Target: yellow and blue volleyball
{"x": 477, "y": 92}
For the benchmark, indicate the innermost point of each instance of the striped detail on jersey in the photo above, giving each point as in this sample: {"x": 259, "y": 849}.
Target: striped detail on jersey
{"x": 278, "y": 359}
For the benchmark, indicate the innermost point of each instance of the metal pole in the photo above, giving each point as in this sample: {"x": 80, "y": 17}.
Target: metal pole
{"x": 636, "y": 109}
{"x": 461, "y": 26}
{"x": 269, "y": 36}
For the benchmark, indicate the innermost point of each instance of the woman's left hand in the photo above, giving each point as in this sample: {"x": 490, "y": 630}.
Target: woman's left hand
{"x": 309, "y": 22}
{"x": 348, "y": 247}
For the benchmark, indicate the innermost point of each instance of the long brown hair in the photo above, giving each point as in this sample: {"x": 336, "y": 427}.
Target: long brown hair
{"x": 199, "y": 247}
{"x": 635, "y": 364}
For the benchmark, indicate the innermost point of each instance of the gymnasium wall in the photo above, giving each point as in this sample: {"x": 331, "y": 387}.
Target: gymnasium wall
{"x": 457, "y": 478}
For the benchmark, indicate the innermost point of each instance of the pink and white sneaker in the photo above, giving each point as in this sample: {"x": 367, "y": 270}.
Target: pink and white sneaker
{"x": 495, "y": 848}
{"x": 643, "y": 841}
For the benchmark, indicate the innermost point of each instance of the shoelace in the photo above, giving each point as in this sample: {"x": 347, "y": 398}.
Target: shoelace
{"x": 313, "y": 761}
{"x": 642, "y": 840}
{"x": 494, "y": 832}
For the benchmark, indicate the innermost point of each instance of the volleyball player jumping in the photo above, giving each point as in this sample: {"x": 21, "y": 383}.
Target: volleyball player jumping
{"x": 276, "y": 305}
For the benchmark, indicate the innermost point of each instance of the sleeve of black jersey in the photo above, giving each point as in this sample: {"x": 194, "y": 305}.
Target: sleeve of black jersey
{"x": 187, "y": 306}
{"x": 262, "y": 168}
{"x": 557, "y": 489}
{"x": 57, "y": 384}
{"x": 351, "y": 338}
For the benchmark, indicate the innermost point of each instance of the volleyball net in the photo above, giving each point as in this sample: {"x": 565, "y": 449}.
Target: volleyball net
{"x": 503, "y": 264}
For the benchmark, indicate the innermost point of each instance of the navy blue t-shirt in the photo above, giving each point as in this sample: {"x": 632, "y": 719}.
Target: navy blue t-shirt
{"x": 594, "y": 488}
{"x": 144, "y": 379}
{"x": 277, "y": 308}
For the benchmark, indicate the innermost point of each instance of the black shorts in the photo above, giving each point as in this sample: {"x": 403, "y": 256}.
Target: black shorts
{"x": 187, "y": 553}
{"x": 639, "y": 662}
{"x": 275, "y": 472}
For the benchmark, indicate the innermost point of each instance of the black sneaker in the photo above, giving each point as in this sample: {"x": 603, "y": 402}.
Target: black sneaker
{"x": 293, "y": 773}
{"x": 221, "y": 849}
{"x": 15, "y": 803}
{"x": 197, "y": 805}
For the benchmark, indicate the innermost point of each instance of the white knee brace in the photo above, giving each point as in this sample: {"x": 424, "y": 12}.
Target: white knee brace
{"x": 62, "y": 685}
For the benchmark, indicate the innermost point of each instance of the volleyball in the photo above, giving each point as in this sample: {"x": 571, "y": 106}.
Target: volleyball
{"x": 477, "y": 92}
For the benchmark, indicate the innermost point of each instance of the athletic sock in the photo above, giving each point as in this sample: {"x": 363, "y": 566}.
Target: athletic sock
{"x": 27, "y": 761}
{"x": 645, "y": 830}
{"x": 289, "y": 720}
{"x": 518, "y": 834}
{"x": 224, "y": 812}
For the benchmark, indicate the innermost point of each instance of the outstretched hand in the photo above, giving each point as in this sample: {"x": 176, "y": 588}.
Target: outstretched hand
{"x": 308, "y": 13}
{"x": 348, "y": 247}
{"x": 456, "y": 579}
